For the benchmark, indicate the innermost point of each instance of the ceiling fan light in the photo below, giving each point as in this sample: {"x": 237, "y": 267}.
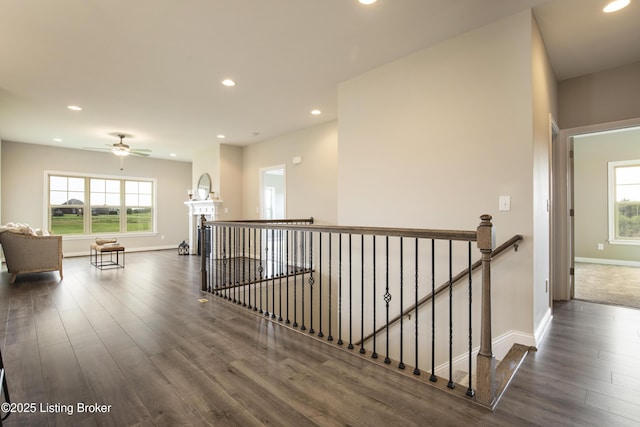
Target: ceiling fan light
{"x": 120, "y": 152}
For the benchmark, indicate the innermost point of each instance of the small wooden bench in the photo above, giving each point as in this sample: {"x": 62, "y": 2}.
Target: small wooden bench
{"x": 110, "y": 249}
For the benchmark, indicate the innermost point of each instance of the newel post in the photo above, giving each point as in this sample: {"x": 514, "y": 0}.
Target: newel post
{"x": 203, "y": 263}
{"x": 486, "y": 385}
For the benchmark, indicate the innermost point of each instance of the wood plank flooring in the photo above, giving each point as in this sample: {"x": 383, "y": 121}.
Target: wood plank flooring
{"x": 137, "y": 341}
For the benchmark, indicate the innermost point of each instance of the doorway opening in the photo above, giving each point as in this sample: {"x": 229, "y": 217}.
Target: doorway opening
{"x": 273, "y": 204}
{"x": 606, "y": 216}
{"x": 273, "y": 192}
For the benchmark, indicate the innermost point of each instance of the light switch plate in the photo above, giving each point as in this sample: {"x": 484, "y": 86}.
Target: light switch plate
{"x": 505, "y": 203}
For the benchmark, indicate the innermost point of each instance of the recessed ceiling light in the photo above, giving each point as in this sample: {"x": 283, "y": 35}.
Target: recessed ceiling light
{"x": 74, "y": 107}
{"x": 616, "y": 5}
{"x": 57, "y": 139}
{"x": 367, "y": 1}
{"x": 228, "y": 82}
{"x": 221, "y": 136}
{"x": 172, "y": 154}
{"x": 316, "y": 112}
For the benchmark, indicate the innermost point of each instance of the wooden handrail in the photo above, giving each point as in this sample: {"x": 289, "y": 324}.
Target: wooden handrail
{"x": 513, "y": 241}
{"x": 460, "y": 235}
{"x": 271, "y": 221}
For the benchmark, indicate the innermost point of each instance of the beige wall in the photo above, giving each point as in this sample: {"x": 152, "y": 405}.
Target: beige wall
{"x": 24, "y": 197}
{"x": 607, "y": 96}
{"x": 591, "y": 156}
{"x": 206, "y": 161}
{"x": 231, "y": 182}
{"x": 311, "y": 185}
{"x": 432, "y": 140}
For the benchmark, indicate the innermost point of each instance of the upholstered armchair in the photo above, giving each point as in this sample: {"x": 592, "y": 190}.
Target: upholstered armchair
{"x": 25, "y": 253}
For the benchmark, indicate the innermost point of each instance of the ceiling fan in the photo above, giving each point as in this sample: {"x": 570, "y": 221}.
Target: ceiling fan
{"x": 122, "y": 150}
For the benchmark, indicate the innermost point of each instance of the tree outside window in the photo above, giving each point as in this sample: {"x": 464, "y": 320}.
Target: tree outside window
{"x": 624, "y": 205}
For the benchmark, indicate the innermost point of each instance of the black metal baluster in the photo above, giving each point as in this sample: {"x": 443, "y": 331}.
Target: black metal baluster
{"x": 273, "y": 274}
{"x": 225, "y": 261}
{"x": 311, "y": 282}
{"x": 350, "y": 346}
{"x": 340, "y": 289}
{"x": 304, "y": 266}
{"x": 387, "y": 298}
{"x": 470, "y": 390}
{"x": 295, "y": 278}
{"x": 374, "y": 354}
{"x": 223, "y": 293}
{"x": 261, "y": 270}
{"x": 330, "y": 337}
{"x": 249, "y": 265}
{"x": 416, "y": 370}
{"x": 281, "y": 257}
{"x": 236, "y": 266}
{"x": 401, "y": 364}
{"x": 244, "y": 266}
{"x": 255, "y": 270}
{"x": 320, "y": 260}
{"x": 287, "y": 283}
{"x": 451, "y": 384}
{"x": 362, "y": 350}
{"x": 433, "y": 376}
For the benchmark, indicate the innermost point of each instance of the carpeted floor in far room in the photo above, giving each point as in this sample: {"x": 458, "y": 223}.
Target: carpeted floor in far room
{"x": 608, "y": 284}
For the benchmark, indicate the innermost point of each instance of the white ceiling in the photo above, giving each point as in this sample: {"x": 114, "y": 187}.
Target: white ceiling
{"x": 152, "y": 68}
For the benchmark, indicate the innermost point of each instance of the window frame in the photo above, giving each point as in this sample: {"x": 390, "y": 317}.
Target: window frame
{"x": 87, "y": 232}
{"x": 614, "y": 239}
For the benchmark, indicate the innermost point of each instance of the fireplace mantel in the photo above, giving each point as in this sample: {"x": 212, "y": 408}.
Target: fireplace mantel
{"x": 209, "y": 208}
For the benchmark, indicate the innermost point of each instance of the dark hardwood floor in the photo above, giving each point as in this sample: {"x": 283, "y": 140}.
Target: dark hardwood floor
{"x": 138, "y": 345}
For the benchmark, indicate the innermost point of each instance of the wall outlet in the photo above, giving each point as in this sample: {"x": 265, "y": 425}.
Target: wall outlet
{"x": 601, "y": 246}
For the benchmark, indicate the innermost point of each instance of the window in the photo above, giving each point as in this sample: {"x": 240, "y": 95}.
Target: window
{"x": 116, "y": 205}
{"x": 624, "y": 202}
{"x": 139, "y": 205}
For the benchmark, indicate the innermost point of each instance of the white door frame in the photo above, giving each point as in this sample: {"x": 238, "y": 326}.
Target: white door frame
{"x": 563, "y": 196}
{"x": 264, "y": 171}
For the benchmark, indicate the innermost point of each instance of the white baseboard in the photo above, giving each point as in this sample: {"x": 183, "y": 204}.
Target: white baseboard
{"x": 500, "y": 346}
{"x": 542, "y": 328}
{"x": 619, "y": 262}
{"x": 142, "y": 249}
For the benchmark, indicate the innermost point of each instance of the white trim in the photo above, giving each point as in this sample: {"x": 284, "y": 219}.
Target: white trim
{"x": 543, "y": 327}
{"x": 143, "y": 249}
{"x": 261, "y": 173}
{"x": 122, "y": 179}
{"x": 611, "y": 201}
{"x": 605, "y": 261}
{"x": 500, "y": 346}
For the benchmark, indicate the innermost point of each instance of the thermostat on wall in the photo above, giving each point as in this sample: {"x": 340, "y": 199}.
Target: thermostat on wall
{"x": 297, "y": 160}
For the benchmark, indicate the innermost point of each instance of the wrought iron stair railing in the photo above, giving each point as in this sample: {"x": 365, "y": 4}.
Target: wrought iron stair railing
{"x": 342, "y": 284}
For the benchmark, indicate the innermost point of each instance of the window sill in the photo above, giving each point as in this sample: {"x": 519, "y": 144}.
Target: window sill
{"x": 105, "y": 235}
{"x": 625, "y": 242}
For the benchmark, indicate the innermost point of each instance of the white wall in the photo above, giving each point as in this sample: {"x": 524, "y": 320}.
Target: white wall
{"x": 24, "y": 198}
{"x": 311, "y": 186}
{"x": 544, "y": 116}
{"x": 432, "y": 140}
